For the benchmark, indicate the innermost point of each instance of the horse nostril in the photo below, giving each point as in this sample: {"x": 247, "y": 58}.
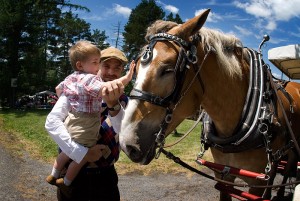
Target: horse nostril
{"x": 134, "y": 153}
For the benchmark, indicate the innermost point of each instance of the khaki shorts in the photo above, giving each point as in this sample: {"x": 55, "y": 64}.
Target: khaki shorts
{"x": 83, "y": 127}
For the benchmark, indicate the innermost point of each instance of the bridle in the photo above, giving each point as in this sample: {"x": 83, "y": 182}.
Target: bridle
{"x": 187, "y": 55}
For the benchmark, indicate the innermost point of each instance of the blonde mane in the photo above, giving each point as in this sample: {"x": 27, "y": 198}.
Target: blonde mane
{"x": 224, "y": 44}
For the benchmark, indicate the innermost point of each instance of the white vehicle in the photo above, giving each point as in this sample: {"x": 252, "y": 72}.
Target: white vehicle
{"x": 286, "y": 59}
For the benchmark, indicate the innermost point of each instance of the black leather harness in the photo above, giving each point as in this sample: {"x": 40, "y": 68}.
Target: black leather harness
{"x": 257, "y": 114}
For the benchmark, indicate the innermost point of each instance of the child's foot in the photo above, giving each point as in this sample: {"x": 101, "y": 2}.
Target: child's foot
{"x": 66, "y": 190}
{"x": 51, "y": 180}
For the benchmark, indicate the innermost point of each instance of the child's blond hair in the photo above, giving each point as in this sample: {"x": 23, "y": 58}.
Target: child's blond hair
{"x": 81, "y": 51}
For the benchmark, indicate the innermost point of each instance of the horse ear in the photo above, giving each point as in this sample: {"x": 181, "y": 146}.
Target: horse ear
{"x": 193, "y": 25}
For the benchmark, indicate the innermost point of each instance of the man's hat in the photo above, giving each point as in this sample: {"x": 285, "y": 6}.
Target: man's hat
{"x": 112, "y": 52}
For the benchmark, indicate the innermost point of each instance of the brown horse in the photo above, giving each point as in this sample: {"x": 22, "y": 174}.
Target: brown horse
{"x": 188, "y": 66}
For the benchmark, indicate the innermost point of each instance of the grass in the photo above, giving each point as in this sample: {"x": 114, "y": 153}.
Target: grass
{"x": 25, "y": 130}
{"x": 28, "y": 130}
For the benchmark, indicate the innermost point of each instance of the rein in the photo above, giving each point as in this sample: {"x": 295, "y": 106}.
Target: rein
{"x": 187, "y": 55}
{"x": 188, "y": 132}
{"x": 169, "y": 155}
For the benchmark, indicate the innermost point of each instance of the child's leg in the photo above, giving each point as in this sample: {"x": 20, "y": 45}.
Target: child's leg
{"x": 72, "y": 171}
{"x": 59, "y": 164}
{"x": 61, "y": 161}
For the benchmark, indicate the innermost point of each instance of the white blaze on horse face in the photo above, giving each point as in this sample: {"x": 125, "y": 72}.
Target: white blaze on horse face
{"x": 127, "y": 128}
{"x": 127, "y": 134}
{"x": 143, "y": 72}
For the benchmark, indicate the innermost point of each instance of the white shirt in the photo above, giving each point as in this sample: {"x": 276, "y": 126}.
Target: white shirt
{"x": 57, "y": 130}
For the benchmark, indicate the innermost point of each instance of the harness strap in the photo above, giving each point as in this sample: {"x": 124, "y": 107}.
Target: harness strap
{"x": 288, "y": 96}
{"x": 291, "y": 133}
{"x": 169, "y": 155}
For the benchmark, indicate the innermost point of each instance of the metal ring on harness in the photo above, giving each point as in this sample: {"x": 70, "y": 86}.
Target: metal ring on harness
{"x": 147, "y": 56}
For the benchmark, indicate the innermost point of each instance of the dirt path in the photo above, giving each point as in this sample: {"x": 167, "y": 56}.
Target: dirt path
{"x": 23, "y": 178}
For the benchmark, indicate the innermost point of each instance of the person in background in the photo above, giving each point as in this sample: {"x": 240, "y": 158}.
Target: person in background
{"x": 98, "y": 179}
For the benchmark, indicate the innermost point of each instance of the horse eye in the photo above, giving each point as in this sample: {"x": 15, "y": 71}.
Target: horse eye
{"x": 167, "y": 71}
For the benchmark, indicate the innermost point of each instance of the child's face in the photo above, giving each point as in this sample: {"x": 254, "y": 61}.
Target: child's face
{"x": 91, "y": 65}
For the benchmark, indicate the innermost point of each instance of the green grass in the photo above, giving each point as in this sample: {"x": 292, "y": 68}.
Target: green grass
{"x": 27, "y": 127}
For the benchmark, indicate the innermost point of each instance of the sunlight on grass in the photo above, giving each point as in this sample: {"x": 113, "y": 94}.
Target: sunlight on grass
{"x": 27, "y": 127}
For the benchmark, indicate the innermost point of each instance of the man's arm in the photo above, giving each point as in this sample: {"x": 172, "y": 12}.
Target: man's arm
{"x": 57, "y": 130}
{"x": 116, "y": 120}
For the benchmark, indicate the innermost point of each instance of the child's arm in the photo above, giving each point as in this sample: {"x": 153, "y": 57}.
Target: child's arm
{"x": 127, "y": 78}
{"x": 59, "y": 89}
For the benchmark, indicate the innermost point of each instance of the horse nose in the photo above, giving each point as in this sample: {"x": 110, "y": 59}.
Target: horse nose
{"x": 134, "y": 153}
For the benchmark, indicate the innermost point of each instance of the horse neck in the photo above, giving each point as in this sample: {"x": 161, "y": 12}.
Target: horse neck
{"x": 224, "y": 97}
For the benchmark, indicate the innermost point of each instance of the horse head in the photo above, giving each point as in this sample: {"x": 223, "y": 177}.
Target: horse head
{"x": 167, "y": 87}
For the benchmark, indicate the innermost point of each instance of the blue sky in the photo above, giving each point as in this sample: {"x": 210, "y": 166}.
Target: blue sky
{"x": 248, "y": 20}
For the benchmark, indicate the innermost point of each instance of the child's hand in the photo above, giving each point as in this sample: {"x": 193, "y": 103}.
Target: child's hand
{"x": 127, "y": 78}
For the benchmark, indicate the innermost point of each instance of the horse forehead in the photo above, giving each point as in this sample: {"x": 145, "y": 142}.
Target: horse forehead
{"x": 143, "y": 70}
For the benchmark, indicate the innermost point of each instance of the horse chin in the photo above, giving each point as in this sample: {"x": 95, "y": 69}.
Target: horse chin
{"x": 149, "y": 156}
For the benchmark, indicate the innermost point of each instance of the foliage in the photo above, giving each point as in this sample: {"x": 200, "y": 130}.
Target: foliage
{"x": 140, "y": 18}
{"x": 176, "y": 19}
{"x": 35, "y": 38}
{"x": 99, "y": 38}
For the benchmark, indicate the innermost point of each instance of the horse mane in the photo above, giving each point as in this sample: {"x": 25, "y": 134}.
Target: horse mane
{"x": 159, "y": 26}
{"x": 224, "y": 44}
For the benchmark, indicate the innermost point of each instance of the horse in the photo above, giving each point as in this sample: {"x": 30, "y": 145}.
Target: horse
{"x": 185, "y": 66}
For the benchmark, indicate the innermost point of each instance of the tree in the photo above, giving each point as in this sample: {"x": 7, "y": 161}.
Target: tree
{"x": 99, "y": 38}
{"x": 177, "y": 18}
{"x": 134, "y": 31}
{"x": 35, "y": 38}
{"x": 12, "y": 22}
{"x": 70, "y": 29}
{"x": 28, "y": 30}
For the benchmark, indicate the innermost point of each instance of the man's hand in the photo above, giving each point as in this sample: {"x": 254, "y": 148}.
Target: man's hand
{"x": 94, "y": 153}
{"x": 112, "y": 92}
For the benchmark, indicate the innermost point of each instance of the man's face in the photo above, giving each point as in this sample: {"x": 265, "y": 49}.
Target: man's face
{"x": 111, "y": 69}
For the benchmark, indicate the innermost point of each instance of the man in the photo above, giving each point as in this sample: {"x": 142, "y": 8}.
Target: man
{"x": 98, "y": 180}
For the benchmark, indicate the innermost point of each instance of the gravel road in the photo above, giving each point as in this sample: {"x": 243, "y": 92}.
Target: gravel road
{"x": 22, "y": 178}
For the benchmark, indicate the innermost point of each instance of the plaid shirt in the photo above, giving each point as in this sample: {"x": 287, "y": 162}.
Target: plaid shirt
{"x": 109, "y": 137}
{"x": 82, "y": 90}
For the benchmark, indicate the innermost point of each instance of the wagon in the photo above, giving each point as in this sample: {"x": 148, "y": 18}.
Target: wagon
{"x": 286, "y": 59}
